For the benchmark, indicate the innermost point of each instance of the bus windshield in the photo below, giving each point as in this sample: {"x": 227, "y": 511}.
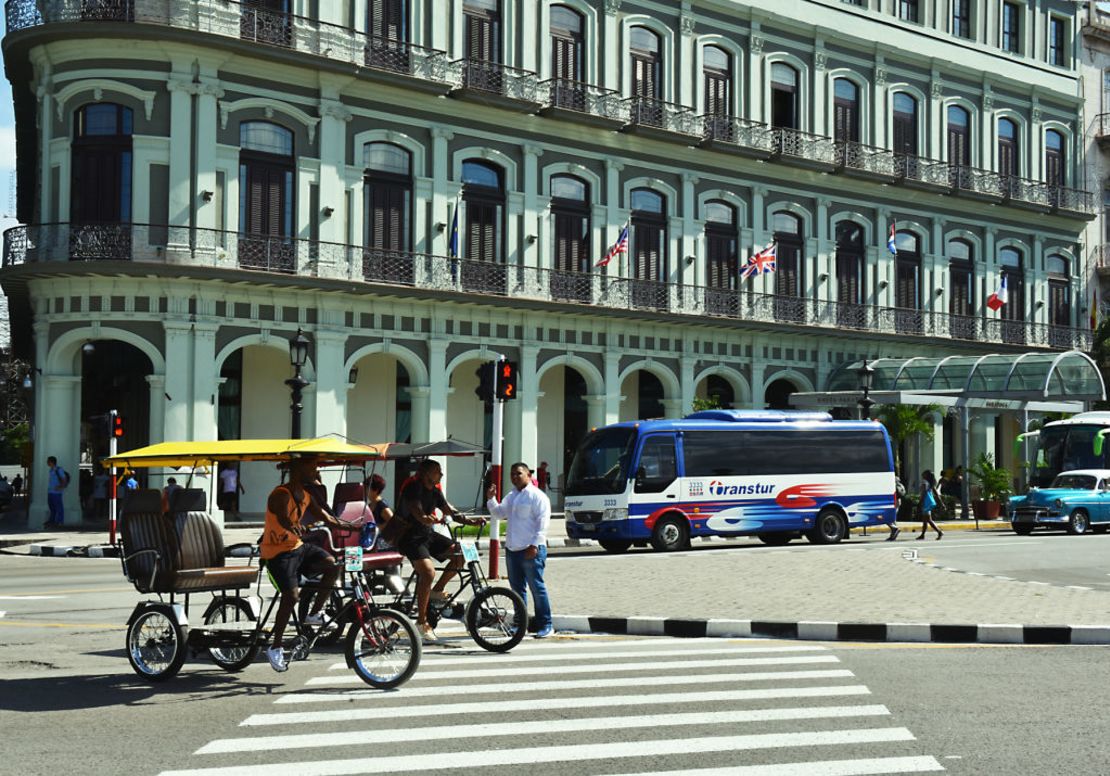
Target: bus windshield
{"x": 1064, "y": 448}
{"x": 601, "y": 464}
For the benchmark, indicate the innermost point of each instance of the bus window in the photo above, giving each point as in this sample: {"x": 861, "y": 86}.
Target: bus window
{"x": 714, "y": 454}
{"x": 658, "y": 467}
{"x": 601, "y": 464}
{"x": 804, "y": 451}
{"x": 1079, "y": 453}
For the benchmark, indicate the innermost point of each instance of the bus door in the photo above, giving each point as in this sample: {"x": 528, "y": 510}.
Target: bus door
{"x": 656, "y": 474}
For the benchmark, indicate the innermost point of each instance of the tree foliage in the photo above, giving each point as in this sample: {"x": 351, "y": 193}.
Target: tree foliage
{"x": 906, "y": 421}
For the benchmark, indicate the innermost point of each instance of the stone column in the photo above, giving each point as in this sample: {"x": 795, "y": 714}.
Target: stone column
{"x": 333, "y": 172}
{"x": 420, "y": 396}
{"x": 611, "y": 45}
{"x": 530, "y": 250}
{"x": 331, "y": 383}
{"x": 820, "y": 83}
{"x": 825, "y": 260}
{"x": 688, "y": 272}
{"x": 689, "y": 388}
{"x": 205, "y": 382}
{"x": 181, "y": 89}
{"x": 57, "y": 412}
{"x": 595, "y": 412}
{"x": 612, "y": 387}
{"x": 157, "y": 388}
{"x": 438, "y": 382}
{"x": 178, "y": 382}
{"x": 753, "y": 105}
{"x": 934, "y": 140}
{"x": 45, "y": 93}
{"x": 685, "y": 53}
{"x": 884, "y": 261}
{"x": 442, "y": 195}
{"x": 208, "y": 215}
{"x": 878, "y": 104}
{"x": 524, "y": 441}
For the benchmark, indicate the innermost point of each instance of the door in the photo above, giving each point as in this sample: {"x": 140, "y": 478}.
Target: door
{"x": 721, "y": 268}
{"x": 483, "y": 270}
{"x": 959, "y": 147}
{"x": 961, "y": 302}
{"x": 267, "y": 217}
{"x": 645, "y": 90}
{"x": 388, "y": 243}
{"x": 789, "y": 306}
{"x": 907, "y": 295}
{"x": 571, "y": 280}
{"x": 567, "y": 65}
{"x": 483, "y": 49}
{"x": 387, "y": 47}
{"x": 649, "y": 264}
{"x": 1013, "y": 312}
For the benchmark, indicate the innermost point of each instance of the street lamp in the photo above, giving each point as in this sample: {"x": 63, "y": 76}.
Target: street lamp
{"x": 298, "y": 357}
{"x": 866, "y": 375}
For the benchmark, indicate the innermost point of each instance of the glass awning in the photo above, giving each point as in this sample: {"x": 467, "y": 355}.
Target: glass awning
{"x": 1070, "y": 376}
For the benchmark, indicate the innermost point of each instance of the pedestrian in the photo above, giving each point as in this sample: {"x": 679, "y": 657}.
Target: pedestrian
{"x": 543, "y": 477}
{"x": 230, "y": 488}
{"x": 56, "y": 484}
{"x": 84, "y": 491}
{"x": 168, "y": 493}
{"x": 929, "y": 501}
{"x": 380, "y": 510}
{"x": 900, "y": 495}
{"x": 100, "y": 493}
{"x": 526, "y": 511}
{"x": 17, "y": 485}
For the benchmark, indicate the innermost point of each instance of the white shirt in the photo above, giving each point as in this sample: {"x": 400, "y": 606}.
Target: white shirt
{"x": 230, "y": 480}
{"x": 526, "y": 514}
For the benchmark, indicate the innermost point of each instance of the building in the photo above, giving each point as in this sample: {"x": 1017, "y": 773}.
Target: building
{"x": 420, "y": 184}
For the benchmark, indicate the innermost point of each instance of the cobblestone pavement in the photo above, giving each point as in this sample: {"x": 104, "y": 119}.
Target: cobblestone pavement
{"x": 839, "y": 584}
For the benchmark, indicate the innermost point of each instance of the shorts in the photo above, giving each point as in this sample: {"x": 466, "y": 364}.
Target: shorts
{"x": 286, "y": 569}
{"x": 228, "y": 501}
{"x": 430, "y": 545}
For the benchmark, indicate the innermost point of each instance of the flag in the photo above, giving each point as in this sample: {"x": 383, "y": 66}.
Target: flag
{"x": 761, "y": 261}
{"x": 619, "y": 247}
{"x": 891, "y": 243}
{"x": 999, "y": 297}
{"x": 453, "y": 245}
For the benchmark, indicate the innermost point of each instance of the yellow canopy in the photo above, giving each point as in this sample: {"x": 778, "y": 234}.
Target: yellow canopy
{"x": 178, "y": 454}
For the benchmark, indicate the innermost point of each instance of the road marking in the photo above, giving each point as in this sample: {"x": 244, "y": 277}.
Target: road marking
{"x": 552, "y": 754}
{"x": 2, "y": 614}
{"x": 29, "y": 597}
{"x": 92, "y": 625}
{"x": 1076, "y": 587}
{"x": 877, "y": 765}
{"x": 498, "y": 730}
{"x": 494, "y": 706}
{"x": 556, "y": 684}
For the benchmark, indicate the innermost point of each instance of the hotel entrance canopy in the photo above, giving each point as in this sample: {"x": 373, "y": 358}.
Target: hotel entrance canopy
{"x": 1033, "y": 382}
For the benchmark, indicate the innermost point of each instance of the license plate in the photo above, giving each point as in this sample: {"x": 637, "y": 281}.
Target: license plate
{"x": 586, "y": 527}
{"x": 352, "y": 558}
{"x": 469, "y": 551}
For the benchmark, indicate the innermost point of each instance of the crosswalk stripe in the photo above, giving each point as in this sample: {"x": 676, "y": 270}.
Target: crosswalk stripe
{"x": 500, "y": 705}
{"x": 551, "y": 754}
{"x": 500, "y": 730}
{"x": 868, "y": 767}
{"x": 441, "y": 658}
{"x": 331, "y": 681}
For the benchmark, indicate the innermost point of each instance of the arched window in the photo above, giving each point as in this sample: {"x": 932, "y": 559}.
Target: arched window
{"x": 100, "y": 190}
{"x": 568, "y": 59}
{"x": 570, "y": 212}
{"x": 845, "y": 111}
{"x": 1008, "y": 158}
{"x": 646, "y": 63}
{"x": 907, "y": 283}
{"x": 1012, "y": 263}
{"x": 387, "y": 189}
{"x": 482, "y": 42}
{"x": 905, "y": 124}
{"x": 484, "y": 196}
{"x": 266, "y": 196}
{"x": 388, "y": 26}
{"x": 961, "y": 288}
{"x": 784, "y": 96}
{"x": 850, "y": 263}
{"x": 1054, "y": 159}
{"x": 789, "y": 270}
{"x": 266, "y": 21}
{"x": 649, "y": 249}
{"x": 717, "y": 76}
{"x": 959, "y": 136}
{"x": 1059, "y": 290}
{"x": 720, "y": 250}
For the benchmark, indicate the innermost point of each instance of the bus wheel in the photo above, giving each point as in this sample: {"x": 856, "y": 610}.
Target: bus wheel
{"x": 670, "y": 534}
{"x": 830, "y": 529}
{"x": 614, "y": 545}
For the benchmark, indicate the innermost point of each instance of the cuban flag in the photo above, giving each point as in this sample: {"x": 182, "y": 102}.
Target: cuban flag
{"x": 762, "y": 261}
{"x": 891, "y": 243}
{"x": 619, "y": 247}
{"x": 999, "y": 297}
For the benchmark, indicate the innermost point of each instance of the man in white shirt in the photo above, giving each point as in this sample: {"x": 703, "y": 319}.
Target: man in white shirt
{"x": 526, "y": 511}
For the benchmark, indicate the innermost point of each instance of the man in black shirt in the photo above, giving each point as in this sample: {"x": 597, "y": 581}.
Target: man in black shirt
{"x": 420, "y": 543}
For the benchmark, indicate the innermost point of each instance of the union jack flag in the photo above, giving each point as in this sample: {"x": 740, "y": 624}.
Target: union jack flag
{"x": 760, "y": 262}
{"x": 619, "y": 247}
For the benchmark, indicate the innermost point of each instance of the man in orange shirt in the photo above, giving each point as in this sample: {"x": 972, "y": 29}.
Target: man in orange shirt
{"x": 287, "y": 557}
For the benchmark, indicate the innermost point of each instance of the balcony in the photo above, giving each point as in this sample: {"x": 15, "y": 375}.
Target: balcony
{"x": 867, "y": 161}
{"x": 580, "y": 102}
{"x": 494, "y": 83}
{"x": 1102, "y": 129}
{"x": 179, "y": 247}
{"x": 730, "y": 133}
{"x": 804, "y": 149}
{"x": 657, "y": 118}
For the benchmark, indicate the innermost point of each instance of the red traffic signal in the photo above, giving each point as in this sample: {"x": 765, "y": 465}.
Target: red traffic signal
{"x": 117, "y": 425}
{"x": 507, "y": 387}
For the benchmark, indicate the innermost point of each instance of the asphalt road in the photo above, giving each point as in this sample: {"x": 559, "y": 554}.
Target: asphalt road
{"x": 69, "y": 702}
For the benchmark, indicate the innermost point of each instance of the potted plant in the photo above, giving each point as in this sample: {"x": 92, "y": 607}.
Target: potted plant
{"x": 994, "y": 486}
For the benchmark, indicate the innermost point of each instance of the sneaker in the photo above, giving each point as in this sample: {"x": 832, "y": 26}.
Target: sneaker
{"x": 546, "y": 633}
{"x": 276, "y": 656}
{"x": 438, "y": 597}
{"x": 894, "y": 531}
{"x": 314, "y": 620}
{"x": 427, "y": 635}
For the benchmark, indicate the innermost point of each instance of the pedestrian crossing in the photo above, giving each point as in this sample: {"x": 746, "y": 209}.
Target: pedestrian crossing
{"x": 589, "y": 705}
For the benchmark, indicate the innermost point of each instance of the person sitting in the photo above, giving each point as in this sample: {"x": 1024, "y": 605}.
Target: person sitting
{"x": 287, "y": 557}
{"x": 380, "y": 510}
{"x": 167, "y": 493}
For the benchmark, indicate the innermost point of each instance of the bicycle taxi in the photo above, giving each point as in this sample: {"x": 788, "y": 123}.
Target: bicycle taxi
{"x": 179, "y": 552}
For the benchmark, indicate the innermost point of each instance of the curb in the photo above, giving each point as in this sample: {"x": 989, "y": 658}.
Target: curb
{"x": 837, "y": 631}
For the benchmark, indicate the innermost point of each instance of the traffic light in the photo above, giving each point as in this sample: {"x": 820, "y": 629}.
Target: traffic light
{"x": 506, "y": 380}
{"x": 485, "y": 375}
{"x": 117, "y": 425}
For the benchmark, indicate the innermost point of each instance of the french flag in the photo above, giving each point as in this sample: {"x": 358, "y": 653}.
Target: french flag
{"x": 999, "y": 297}
{"x": 891, "y": 244}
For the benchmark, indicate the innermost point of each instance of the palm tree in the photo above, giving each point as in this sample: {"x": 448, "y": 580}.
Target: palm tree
{"x": 905, "y": 421}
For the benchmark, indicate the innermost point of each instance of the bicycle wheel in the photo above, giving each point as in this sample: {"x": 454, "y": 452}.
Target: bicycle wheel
{"x": 496, "y": 619}
{"x": 384, "y": 649}
{"x": 333, "y": 631}
{"x": 156, "y": 644}
{"x": 232, "y": 615}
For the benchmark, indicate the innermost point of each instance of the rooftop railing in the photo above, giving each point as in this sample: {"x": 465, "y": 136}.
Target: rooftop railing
{"x": 183, "y": 246}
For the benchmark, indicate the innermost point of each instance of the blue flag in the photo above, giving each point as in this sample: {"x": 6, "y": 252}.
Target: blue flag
{"x": 453, "y": 245}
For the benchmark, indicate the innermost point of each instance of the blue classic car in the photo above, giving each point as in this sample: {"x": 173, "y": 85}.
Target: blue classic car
{"x": 1076, "y": 500}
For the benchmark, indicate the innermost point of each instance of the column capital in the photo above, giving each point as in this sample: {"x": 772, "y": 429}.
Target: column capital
{"x": 612, "y": 7}
{"x": 442, "y": 133}
{"x": 334, "y": 109}
{"x": 689, "y": 177}
{"x": 531, "y": 149}
{"x": 613, "y": 164}
{"x": 420, "y": 391}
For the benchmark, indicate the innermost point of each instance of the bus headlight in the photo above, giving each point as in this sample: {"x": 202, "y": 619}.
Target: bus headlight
{"x": 614, "y": 513}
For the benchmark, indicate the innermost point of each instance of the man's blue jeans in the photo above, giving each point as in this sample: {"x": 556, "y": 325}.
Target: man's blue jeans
{"x": 57, "y": 510}
{"x": 525, "y": 574}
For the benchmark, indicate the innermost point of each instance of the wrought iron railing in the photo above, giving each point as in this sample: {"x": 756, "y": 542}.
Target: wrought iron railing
{"x": 795, "y": 144}
{"x": 867, "y": 159}
{"x": 141, "y": 243}
{"x": 1102, "y": 125}
{"x": 736, "y": 131}
{"x": 660, "y": 114}
{"x": 1100, "y": 256}
{"x": 918, "y": 169}
{"x": 584, "y": 98}
{"x": 495, "y": 78}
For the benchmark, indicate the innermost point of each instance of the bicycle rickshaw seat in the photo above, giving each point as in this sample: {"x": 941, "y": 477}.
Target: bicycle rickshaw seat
{"x": 371, "y": 561}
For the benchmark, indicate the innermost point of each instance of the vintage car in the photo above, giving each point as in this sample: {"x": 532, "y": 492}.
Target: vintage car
{"x": 1076, "y": 500}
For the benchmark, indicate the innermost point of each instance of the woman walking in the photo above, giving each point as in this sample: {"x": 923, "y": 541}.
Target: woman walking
{"x": 929, "y": 501}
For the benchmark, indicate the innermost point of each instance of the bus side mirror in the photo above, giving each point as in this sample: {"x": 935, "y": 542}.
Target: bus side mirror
{"x": 641, "y": 474}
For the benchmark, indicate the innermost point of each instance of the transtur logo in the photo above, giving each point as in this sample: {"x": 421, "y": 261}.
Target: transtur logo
{"x": 718, "y": 488}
